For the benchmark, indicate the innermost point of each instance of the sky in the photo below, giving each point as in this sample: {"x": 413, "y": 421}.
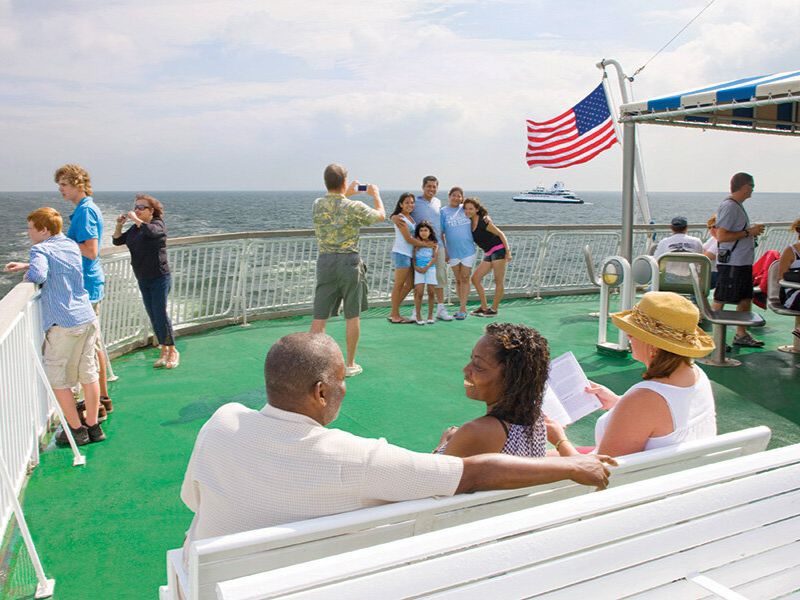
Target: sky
{"x": 261, "y": 95}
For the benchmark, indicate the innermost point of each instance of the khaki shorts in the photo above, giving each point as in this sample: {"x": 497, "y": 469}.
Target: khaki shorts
{"x": 70, "y": 356}
{"x": 341, "y": 279}
{"x": 441, "y": 268}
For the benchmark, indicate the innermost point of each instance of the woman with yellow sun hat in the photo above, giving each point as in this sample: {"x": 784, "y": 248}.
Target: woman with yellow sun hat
{"x": 674, "y": 403}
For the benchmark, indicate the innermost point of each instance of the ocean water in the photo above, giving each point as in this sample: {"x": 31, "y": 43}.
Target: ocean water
{"x": 194, "y": 213}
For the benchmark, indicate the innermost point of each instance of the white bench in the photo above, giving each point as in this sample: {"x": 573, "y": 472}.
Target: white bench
{"x": 733, "y": 527}
{"x": 245, "y": 553}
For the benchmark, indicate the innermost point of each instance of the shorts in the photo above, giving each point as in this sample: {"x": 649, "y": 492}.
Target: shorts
{"x": 734, "y": 283}
{"x": 467, "y": 261}
{"x": 441, "y": 271}
{"x": 428, "y": 277}
{"x": 499, "y": 254}
{"x": 341, "y": 280}
{"x": 401, "y": 261}
{"x": 70, "y": 356}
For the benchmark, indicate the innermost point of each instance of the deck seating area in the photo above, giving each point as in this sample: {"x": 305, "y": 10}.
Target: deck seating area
{"x": 721, "y": 319}
{"x": 136, "y": 473}
{"x": 238, "y": 555}
{"x": 775, "y": 305}
{"x": 730, "y": 529}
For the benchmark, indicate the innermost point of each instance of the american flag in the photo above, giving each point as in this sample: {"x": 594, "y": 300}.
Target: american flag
{"x": 574, "y": 137}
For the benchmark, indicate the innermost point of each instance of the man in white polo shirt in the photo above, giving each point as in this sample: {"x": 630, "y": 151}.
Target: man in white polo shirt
{"x": 252, "y": 469}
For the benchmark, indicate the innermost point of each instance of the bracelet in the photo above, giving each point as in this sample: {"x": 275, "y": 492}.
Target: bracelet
{"x": 746, "y": 233}
{"x": 559, "y": 442}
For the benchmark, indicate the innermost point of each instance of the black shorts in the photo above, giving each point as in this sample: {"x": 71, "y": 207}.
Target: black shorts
{"x": 734, "y": 283}
{"x": 499, "y": 254}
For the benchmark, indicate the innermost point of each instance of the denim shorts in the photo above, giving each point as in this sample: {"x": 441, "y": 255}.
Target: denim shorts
{"x": 496, "y": 255}
{"x": 401, "y": 261}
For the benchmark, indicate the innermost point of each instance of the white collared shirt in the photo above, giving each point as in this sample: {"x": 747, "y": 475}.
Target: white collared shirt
{"x": 251, "y": 469}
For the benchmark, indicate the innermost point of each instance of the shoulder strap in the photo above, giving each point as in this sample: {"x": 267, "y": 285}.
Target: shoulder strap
{"x": 503, "y": 423}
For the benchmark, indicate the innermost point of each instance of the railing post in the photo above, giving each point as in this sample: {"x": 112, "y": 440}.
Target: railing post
{"x": 77, "y": 458}
{"x": 536, "y": 276}
{"x": 44, "y": 586}
{"x": 241, "y": 272}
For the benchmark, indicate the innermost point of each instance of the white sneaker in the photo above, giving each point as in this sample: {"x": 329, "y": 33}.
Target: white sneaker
{"x": 431, "y": 322}
{"x": 443, "y": 315}
{"x": 420, "y": 322}
{"x": 353, "y": 371}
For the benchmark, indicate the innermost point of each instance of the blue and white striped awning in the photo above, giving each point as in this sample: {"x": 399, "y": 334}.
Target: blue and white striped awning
{"x": 763, "y": 104}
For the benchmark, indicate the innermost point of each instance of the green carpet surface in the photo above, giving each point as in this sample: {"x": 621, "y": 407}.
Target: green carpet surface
{"x": 102, "y": 530}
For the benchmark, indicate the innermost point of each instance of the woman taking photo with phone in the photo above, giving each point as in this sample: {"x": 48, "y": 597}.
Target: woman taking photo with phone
{"x": 147, "y": 241}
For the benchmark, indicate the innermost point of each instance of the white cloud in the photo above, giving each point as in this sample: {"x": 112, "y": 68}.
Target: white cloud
{"x": 390, "y": 86}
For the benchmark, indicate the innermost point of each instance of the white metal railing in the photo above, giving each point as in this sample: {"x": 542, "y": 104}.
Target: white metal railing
{"x": 227, "y": 278}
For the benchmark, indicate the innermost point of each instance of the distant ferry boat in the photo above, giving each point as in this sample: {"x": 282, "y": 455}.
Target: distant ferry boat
{"x": 558, "y": 194}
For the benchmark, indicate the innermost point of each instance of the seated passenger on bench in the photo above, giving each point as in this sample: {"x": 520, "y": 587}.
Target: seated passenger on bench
{"x": 507, "y": 371}
{"x": 675, "y": 402}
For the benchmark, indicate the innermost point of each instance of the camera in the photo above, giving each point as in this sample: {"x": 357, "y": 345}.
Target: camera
{"x": 362, "y": 187}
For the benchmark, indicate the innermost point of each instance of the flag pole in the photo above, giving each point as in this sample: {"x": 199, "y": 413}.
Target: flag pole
{"x": 641, "y": 185}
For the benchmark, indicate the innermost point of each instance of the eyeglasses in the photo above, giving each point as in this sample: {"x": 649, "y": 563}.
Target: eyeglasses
{"x": 141, "y": 207}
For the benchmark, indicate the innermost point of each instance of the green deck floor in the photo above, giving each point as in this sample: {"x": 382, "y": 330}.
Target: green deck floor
{"x": 102, "y": 530}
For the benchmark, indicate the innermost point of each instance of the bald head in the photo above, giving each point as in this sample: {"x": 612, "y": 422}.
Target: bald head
{"x": 295, "y": 364}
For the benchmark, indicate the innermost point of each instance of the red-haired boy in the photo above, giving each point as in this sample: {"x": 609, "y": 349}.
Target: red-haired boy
{"x": 68, "y": 320}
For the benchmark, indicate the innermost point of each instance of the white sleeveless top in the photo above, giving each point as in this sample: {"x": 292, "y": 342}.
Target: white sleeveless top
{"x": 693, "y": 414}
{"x": 401, "y": 246}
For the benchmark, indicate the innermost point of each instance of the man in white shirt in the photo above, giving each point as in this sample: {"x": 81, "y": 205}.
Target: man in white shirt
{"x": 252, "y": 469}
{"x": 679, "y": 241}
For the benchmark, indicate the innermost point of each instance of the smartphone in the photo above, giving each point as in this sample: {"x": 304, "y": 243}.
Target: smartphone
{"x": 362, "y": 188}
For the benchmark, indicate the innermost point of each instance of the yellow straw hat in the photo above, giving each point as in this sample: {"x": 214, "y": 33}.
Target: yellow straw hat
{"x": 667, "y": 321}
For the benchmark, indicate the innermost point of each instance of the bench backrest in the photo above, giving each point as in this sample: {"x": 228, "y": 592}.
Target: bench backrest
{"x": 737, "y": 522}
{"x": 240, "y": 554}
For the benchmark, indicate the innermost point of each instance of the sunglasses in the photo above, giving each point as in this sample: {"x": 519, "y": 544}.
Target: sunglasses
{"x": 141, "y": 207}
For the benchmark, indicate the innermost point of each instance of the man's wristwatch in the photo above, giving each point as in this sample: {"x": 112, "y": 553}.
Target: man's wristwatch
{"x": 746, "y": 233}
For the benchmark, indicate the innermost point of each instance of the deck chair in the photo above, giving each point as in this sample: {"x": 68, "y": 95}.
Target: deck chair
{"x": 720, "y": 320}
{"x": 775, "y": 305}
{"x": 674, "y": 275}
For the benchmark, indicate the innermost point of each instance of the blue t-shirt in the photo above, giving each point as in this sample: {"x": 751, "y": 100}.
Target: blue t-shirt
{"x": 86, "y": 223}
{"x": 428, "y": 211}
{"x": 457, "y": 229}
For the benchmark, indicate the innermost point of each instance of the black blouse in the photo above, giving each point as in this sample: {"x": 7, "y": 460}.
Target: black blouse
{"x": 148, "y": 246}
{"x": 485, "y": 239}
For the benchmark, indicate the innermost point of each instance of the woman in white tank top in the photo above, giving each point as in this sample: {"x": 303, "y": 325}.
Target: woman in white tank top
{"x": 404, "y": 242}
{"x": 790, "y": 261}
{"x": 675, "y": 402}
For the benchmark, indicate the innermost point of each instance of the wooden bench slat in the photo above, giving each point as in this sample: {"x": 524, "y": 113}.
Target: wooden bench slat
{"x": 733, "y": 574}
{"x": 250, "y": 552}
{"x": 445, "y": 547}
{"x": 672, "y": 552}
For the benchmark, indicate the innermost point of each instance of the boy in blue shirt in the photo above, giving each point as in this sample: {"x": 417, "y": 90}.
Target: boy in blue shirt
{"x": 68, "y": 320}
{"x": 86, "y": 228}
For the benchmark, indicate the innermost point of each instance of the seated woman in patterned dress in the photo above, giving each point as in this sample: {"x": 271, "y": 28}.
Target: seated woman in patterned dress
{"x": 507, "y": 371}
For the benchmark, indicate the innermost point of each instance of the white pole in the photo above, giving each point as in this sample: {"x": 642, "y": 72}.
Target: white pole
{"x": 45, "y": 586}
{"x": 628, "y": 154}
{"x": 641, "y": 185}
